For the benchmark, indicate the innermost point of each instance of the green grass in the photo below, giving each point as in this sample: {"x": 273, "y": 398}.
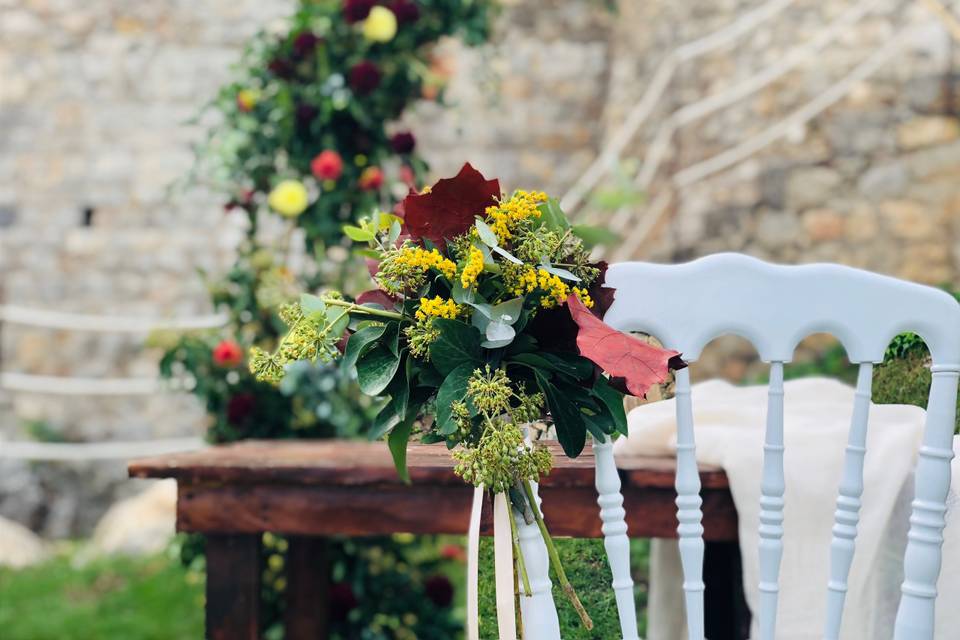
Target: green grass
{"x": 585, "y": 563}
{"x": 155, "y": 598}
{"x": 119, "y": 598}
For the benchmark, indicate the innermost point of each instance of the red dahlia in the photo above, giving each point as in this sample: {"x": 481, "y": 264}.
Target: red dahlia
{"x": 228, "y": 354}
{"x": 328, "y": 165}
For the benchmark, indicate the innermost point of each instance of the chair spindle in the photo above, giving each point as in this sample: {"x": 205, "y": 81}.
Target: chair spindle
{"x": 847, "y": 515}
{"x": 771, "y": 506}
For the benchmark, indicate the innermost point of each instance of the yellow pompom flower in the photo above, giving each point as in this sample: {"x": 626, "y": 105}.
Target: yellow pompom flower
{"x": 380, "y": 25}
{"x": 247, "y": 99}
{"x": 471, "y": 270}
{"x": 505, "y": 217}
{"x": 437, "y": 307}
{"x": 289, "y": 198}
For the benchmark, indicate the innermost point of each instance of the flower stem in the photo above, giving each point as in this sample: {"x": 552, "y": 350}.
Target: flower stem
{"x": 356, "y": 308}
{"x": 521, "y": 565}
{"x": 568, "y": 589}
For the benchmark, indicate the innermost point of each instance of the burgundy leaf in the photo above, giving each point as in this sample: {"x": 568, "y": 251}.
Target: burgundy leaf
{"x": 376, "y": 296}
{"x": 641, "y": 365}
{"x": 449, "y": 208}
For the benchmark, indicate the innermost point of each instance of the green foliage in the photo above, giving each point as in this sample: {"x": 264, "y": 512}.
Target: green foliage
{"x": 586, "y": 564}
{"x": 151, "y": 598}
{"x": 323, "y": 86}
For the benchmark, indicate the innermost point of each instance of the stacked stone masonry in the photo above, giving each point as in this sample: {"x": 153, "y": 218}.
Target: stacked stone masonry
{"x": 93, "y": 103}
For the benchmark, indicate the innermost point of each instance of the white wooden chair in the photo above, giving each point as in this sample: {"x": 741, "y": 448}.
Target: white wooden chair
{"x": 774, "y": 307}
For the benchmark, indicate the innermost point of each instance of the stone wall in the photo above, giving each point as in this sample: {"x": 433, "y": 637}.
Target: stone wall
{"x": 94, "y": 100}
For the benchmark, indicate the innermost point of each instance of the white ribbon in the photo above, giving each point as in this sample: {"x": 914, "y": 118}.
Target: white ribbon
{"x": 503, "y": 567}
{"x": 473, "y": 566}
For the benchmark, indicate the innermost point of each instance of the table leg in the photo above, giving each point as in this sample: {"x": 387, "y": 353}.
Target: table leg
{"x": 308, "y": 586}
{"x": 233, "y": 587}
{"x": 726, "y": 614}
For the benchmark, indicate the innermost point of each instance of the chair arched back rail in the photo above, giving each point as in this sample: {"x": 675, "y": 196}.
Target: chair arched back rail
{"x": 774, "y": 307}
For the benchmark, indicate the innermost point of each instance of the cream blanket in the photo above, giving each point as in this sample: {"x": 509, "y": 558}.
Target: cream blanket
{"x": 730, "y": 423}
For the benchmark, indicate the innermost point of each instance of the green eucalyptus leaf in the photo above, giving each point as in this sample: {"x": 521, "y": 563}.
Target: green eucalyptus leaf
{"x": 593, "y": 236}
{"x": 571, "y": 430}
{"x": 487, "y": 236}
{"x": 499, "y": 334}
{"x": 357, "y": 234}
{"x": 458, "y": 343}
{"x": 397, "y": 443}
{"x": 507, "y": 312}
{"x": 506, "y": 254}
{"x": 613, "y": 401}
{"x": 453, "y": 389}
{"x": 395, "y": 410}
{"x": 560, "y": 273}
{"x": 312, "y": 306}
{"x": 394, "y": 232}
{"x": 376, "y": 368}
{"x": 340, "y": 323}
{"x": 358, "y": 343}
{"x": 552, "y": 217}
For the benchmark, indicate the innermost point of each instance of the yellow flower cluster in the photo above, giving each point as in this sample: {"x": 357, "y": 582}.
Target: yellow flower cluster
{"x": 555, "y": 290}
{"x": 506, "y": 216}
{"x": 415, "y": 257}
{"x": 437, "y": 307}
{"x": 584, "y": 297}
{"x": 472, "y": 269}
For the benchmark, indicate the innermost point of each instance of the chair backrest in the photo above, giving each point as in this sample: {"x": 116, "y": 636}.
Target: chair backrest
{"x": 686, "y": 306}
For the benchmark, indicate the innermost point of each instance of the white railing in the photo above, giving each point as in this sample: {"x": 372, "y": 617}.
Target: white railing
{"x": 17, "y": 382}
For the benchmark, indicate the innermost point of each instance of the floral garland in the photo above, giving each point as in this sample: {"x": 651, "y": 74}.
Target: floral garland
{"x": 308, "y": 130}
{"x": 487, "y": 318}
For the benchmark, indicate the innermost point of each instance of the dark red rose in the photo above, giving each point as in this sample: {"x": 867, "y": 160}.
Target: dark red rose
{"x": 448, "y": 210}
{"x": 403, "y": 142}
{"x": 406, "y": 11}
{"x": 342, "y": 601}
{"x": 281, "y": 67}
{"x": 305, "y": 114}
{"x": 364, "y": 77}
{"x": 305, "y": 44}
{"x": 239, "y": 407}
{"x": 439, "y": 589}
{"x": 357, "y": 10}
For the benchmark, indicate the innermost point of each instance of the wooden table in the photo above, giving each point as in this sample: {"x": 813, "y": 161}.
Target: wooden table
{"x": 310, "y": 489}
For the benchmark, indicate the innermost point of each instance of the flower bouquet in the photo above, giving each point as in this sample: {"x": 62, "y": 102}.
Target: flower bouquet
{"x": 485, "y": 330}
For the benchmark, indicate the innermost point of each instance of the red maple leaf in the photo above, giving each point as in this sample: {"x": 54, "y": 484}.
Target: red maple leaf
{"x": 449, "y": 208}
{"x": 621, "y": 355}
